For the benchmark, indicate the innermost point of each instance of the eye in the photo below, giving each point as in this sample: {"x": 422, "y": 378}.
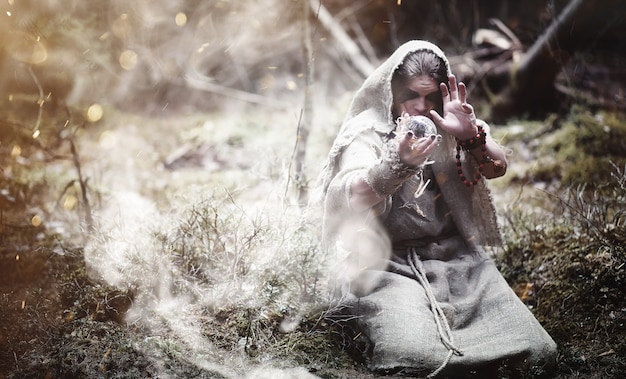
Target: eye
{"x": 408, "y": 95}
{"x": 434, "y": 97}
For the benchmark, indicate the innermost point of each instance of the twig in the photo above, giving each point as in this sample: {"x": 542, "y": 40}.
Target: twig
{"x": 342, "y": 38}
{"x": 508, "y": 32}
{"x": 39, "y": 102}
{"x": 576, "y": 211}
{"x": 83, "y": 184}
{"x": 204, "y": 83}
{"x": 362, "y": 38}
{"x": 293, "y": 154}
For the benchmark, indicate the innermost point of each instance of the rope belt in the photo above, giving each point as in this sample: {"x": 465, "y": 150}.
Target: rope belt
{"x": 443, "y": 327}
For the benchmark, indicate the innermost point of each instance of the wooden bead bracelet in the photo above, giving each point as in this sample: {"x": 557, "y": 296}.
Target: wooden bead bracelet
{"x": 480, "y": 139}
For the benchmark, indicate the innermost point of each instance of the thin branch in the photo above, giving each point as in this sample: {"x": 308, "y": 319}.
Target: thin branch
{"x": 293, "y": 154}
{"x": 83, "y": 185}
{"x": 40, "y": 101}
{"x": 205, "y": 83}
{"x": 344, "y": 41}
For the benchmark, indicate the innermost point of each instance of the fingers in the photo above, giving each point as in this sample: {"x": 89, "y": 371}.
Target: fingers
{"x": 462, "y": 93}
{"x": 467, "y": 108}
{"x": 457, "y": 91}
{"x": 421, "y": 145}
{"x": 453, "y": 87}
{"x": 436, "y": 117}
{"x": 427, "y": 144}
{"x": 445, "y": 94}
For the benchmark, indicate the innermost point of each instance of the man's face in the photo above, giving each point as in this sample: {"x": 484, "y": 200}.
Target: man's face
{"x": 420, "y": 95}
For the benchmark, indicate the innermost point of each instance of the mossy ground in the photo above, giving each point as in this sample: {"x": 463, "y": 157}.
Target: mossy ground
{"x": 562, "y": 209}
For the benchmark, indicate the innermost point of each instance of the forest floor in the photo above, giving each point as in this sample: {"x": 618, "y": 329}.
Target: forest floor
{"x": 95, "y": 304}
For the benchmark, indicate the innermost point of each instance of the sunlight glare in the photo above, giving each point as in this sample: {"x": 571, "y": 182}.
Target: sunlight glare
{"x": 36, "y": 221}
{"x": 181, "y": 19}
{"x": 121, "y": 27}
{"x": 95, "y": 113}
{"x": 16, "y": 151}
{"x": 70, "y": 202}
{"x": 128, "y": 60}
{"x": 107, "y": 139}
{"x": 26, "y": 48}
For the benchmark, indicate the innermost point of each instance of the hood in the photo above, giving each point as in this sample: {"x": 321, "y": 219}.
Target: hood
{"x": 370, "y": 114}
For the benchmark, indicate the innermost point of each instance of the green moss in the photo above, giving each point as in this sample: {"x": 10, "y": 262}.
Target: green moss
{"x": 583, "y": 149}
{"x": 570, "y": 272}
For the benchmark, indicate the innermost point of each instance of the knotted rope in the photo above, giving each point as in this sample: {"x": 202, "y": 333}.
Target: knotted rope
{"x": 443, "y": 327}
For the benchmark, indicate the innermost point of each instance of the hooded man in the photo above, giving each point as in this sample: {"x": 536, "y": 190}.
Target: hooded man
{"x": 407, "y": 211}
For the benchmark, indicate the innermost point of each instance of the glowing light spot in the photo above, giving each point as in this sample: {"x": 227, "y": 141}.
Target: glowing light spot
{"x": 107, "y": 139}
{"x": 181, "y": 19}
{"x": 36, "y": 221}
{"x": 70, "y": 202}
{"x": 9, "y": 13}
{"x": 95, "y": 113}
{"x": 201, "y": 48}
{"x": 267, "y": 81}
{"x": 291, "y": 85}
{"x": 26, "y": 48}
{"x": 36, "y": 133}
{"x": 16, "y": 151}
{"x": 121, "y": 27}
{"x": 17, "y": 257}
{"x": 128, "y": 60}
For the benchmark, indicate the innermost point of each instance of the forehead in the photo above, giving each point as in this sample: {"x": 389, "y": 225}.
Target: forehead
{"x": 422, "y": 84}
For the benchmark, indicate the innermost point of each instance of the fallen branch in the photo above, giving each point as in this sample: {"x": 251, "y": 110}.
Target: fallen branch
{"x": 343, "y": 40}
{"x": 205, "y": 83}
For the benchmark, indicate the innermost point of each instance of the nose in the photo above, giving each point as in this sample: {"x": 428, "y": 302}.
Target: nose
{"x": 419, "y": 106}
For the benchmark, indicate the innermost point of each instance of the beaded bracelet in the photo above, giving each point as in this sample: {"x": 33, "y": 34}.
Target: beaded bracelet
{"x": 479, "y": 140}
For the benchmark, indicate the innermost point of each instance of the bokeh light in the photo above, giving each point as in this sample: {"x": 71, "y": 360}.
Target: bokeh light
{"x": 128, "y": 60}
{"x": 70, "y": 202}
{"x": 95, "y": 113}
{"x": 181, "y": 19}
{"x": 36, "y": 220}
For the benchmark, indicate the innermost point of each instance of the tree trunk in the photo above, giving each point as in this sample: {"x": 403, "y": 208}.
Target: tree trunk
{"x": 306, "y": 115}
{"x": 529, "y": 87}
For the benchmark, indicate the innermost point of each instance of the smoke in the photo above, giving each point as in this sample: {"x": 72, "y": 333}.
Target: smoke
{"x": 184, "y": 266}
{"x": 187, "y": 243}
{"x": 154, "y": 54}
{"x": 362, "y": 247}
{"x": 193, "y": 253}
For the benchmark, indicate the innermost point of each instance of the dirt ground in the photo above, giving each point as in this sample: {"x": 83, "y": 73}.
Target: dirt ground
{"x": 59, "y": 321}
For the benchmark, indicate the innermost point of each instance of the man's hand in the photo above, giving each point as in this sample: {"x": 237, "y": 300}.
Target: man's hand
{"x": 415, "y": 151}
{"x": 458, "y": 116}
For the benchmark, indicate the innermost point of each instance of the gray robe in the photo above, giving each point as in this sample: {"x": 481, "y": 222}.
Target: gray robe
{"x": 415, "y": 282}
